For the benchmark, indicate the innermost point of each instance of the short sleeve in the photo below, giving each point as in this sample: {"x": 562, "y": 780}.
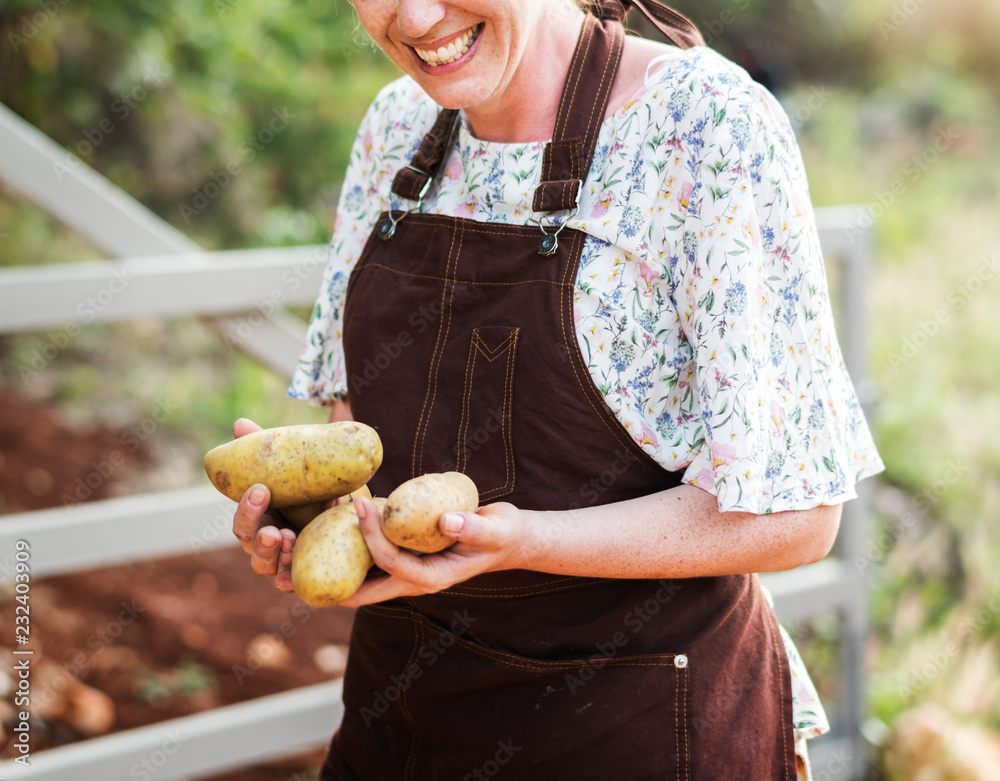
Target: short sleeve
{"x": 782, "y": 426}
{"x": 321, "y": 376}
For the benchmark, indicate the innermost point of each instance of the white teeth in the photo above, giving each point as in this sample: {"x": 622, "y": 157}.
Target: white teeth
{"x": 451, "y": 52}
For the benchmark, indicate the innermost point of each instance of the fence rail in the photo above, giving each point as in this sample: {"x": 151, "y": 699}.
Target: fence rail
{"x": 168, "y": 275}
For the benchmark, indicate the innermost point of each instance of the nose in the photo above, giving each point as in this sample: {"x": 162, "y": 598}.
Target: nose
{"x": 415, "y": 18}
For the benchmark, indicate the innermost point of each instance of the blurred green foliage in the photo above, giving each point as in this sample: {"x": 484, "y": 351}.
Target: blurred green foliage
{"x": 160, "y": 97}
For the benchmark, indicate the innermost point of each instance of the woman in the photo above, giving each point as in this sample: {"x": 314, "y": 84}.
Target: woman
{"x": 624, "y": 337}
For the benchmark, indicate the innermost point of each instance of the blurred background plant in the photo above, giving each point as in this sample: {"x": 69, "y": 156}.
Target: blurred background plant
{"x": 896, "y": 104}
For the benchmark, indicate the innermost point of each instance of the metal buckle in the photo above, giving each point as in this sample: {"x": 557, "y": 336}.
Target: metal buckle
{"x": 427, "y": 183}
{"x": 549, "y": 244}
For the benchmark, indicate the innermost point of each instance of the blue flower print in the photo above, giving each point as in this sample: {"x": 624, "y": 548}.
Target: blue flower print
{"x": 736, "y": 299}
{"x": 631, "y": 221}
{"x": 775, "y": 461}
{"x": 621, "y": 355}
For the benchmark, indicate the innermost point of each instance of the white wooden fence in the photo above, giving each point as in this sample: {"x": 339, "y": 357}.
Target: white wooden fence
{"x": 169, "y": 275}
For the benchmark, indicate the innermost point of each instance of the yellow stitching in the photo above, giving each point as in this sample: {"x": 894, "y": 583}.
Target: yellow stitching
{"x": 587, "y": 40}
{"x": 491, "y": 354}
{"x": 445, "y": 316}
{"x": 575, "y": 71}
{"x": 431, "y": 395}
{"x": 505, "y": 434}
{"x": 677, "y": 721}
{"x": 411, "y": 760}
{"x": 512, "y": 588}
{"x": 461, "y": 281}
{"x": 539, "y": 665}
{"x": 457, "y": 593}
{"x": 772, "y": 622}
{"x": 687, "y": 746}
{"x": 388, "y": 611}
{"x": 470, "y": 368}
{"x": 574, "y": 349}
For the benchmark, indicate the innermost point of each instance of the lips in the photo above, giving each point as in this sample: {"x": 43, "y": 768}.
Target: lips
{"x": 452, "y": 50}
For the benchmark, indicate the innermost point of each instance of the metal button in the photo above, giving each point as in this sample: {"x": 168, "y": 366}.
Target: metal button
{"x": 386, "y": 229}
{"x": 680, "y": 661}
{"x": 548, "y": 245}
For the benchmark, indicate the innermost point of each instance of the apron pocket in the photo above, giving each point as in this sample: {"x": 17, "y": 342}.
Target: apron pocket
{"x": 484, "y": 450}
{"x": 478, "y": 708}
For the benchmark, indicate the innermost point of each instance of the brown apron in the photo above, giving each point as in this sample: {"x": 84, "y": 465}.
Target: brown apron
{"x": 473, "y": 364}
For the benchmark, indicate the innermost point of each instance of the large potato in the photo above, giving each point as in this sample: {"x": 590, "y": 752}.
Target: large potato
{"x": 330, "y": 558}
{"x": 413, "y": 510}
{"x": 300, "y": 464}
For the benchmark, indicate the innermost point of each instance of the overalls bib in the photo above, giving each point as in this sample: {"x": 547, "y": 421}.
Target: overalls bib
{"x": 525, "y": 675}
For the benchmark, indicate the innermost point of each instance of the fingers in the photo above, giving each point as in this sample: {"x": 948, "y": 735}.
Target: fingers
{"x": 379, "y": 589}
{"x": 283, "y": 578}
{"x": 250, "y": 512}
{"x": 387, "y": 555}
{"x": 244, "y": 426}
{"x": 490, "y": 527}
{"x": 340, "y": 410}
{"x": 266, "y": 551}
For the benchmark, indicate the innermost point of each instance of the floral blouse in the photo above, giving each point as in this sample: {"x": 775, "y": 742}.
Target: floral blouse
{"x": 701, "y": 303}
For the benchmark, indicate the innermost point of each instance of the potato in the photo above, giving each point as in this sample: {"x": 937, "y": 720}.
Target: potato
{"x": 302, "y": 514}
{"x": 413, "y": 510}
{"x": 330, "y": 558}
{"x": 307, "y": 464}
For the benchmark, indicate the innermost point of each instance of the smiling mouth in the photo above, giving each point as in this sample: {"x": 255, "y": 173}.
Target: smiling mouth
{"x": 454, "y": 49}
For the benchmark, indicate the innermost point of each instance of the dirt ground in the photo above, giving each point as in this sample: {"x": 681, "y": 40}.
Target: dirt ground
{"x": 127, "y": 646}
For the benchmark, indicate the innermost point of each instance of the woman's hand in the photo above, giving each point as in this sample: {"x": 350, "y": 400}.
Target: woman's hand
{"x": 267, "y": 536}
{"x": 264, "y": 535}
{"x": 487, "y": 540}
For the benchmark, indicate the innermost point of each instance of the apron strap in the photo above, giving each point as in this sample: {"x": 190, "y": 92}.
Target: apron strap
{"x": 673, "y": 26}
{"x": 584, "y": 101}
{"x": 413, "y": 180}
